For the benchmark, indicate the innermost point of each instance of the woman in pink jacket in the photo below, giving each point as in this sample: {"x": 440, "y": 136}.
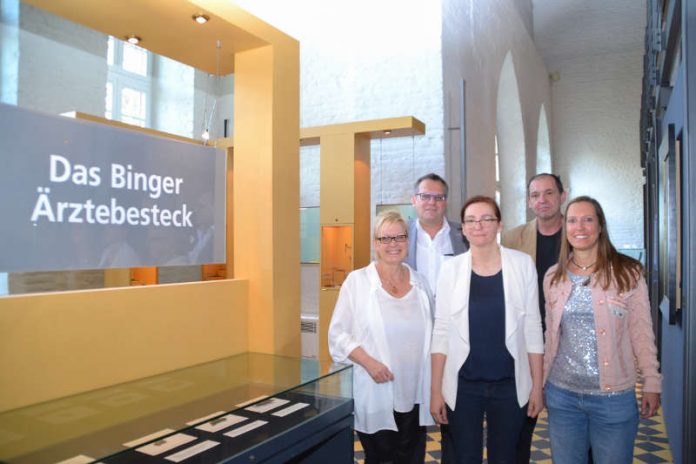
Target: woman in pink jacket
{"x": 598, "y": 330}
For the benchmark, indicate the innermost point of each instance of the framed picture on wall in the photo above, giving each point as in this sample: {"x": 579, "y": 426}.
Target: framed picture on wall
{"x": 670, "y": 226}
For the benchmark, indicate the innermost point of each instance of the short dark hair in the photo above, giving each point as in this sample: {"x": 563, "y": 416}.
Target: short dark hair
{"x": 556, "y": 179}
{"x": 430, "y": 176}
{"x": 482, "y": 199}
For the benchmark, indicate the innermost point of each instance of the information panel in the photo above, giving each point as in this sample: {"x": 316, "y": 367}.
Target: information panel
{"x": 77, "y": 194}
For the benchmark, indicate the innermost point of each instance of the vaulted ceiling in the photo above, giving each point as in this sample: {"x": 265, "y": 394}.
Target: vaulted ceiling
{"x": 565, "y": 29}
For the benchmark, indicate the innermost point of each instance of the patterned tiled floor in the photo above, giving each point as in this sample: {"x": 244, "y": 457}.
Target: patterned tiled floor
{"x": 651, "y": 445}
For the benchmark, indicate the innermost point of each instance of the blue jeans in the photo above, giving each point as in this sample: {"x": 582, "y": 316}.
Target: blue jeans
{"x": 607, "y": 423}
{"x": 504, "y": 419}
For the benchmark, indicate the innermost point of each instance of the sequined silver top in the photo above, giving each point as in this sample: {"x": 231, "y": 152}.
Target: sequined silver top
{"x": 575, "y": 367}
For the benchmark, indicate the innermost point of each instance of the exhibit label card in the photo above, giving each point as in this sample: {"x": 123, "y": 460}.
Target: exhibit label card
{"x": 221, "y": 423}
{"x": 245, "y": 428}
{"x": 166, "y": 444}
{"x": 81, "y": 459}
{"x": 267, "y": 405}
{"x": 200, "y": 420}
{"x": 192, "y": 451}
{"x": 290, "y": 409}
{"x": 253, "y": 400}
{"x": 145, "y": 439}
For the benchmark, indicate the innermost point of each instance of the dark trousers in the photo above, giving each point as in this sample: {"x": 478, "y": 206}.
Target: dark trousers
{"x": 524, "y": 445}
{"x": 497, "y": 401}
{"x": 446, "y": 451}
{"x": 406, "y": 446}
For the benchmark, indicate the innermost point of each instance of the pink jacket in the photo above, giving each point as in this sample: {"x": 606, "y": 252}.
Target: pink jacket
{"x": 625, "y": 337}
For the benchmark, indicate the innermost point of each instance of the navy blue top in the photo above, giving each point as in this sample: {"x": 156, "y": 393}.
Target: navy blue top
{"x": 489, "y": 359}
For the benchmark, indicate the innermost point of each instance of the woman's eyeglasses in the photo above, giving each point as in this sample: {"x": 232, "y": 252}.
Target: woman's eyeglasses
{"x": 485, "y": 221}
{"x": 386, "y": 240}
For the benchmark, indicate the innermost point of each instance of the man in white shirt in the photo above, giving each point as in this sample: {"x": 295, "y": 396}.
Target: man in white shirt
{"x": 432, "y": 238}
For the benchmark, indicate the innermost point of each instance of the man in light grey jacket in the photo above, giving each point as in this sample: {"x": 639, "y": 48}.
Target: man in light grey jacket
{"x": 432, "y": 238}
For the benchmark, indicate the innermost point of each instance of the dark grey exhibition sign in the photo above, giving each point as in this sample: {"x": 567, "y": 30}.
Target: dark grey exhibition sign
{"x": 82, "y": 195}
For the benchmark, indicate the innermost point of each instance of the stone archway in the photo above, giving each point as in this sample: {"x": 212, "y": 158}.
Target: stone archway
{"x": 543, "y": 152}
{"x": 511, "y": 146}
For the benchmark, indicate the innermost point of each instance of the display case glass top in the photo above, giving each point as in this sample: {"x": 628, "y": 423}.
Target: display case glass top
{"x": 198, "y": 404}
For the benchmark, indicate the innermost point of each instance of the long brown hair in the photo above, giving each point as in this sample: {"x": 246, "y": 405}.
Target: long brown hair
{"x": 610, "y": 265}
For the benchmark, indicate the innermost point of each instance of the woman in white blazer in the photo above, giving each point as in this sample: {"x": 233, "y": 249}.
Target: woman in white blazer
{"x": 382, "y": 323}
{"x": 487, "y": 343}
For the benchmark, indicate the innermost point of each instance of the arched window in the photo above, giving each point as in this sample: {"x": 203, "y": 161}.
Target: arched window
{"x": 511, "y": 147}
{"x": 543, "y": 160}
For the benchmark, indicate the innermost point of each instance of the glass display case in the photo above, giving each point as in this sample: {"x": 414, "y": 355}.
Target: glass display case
{"x": 246, "y": 408}
{"x": 336, "y": 255}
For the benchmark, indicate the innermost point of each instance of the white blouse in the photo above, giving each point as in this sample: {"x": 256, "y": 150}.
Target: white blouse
{"x": 403, "y": 326}
{"x": 358, "y": 321}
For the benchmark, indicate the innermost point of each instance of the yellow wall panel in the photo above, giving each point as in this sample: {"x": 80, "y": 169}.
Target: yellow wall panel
{"x": 58, "y": 344}
{"x": 266, "y": 195}
{"x": 337, "y": 179}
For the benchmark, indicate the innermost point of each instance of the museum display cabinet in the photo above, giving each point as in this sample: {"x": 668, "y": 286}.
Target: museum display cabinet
{"x": 251, "y": 407}
{"x": 345, "y": 214}
{"x": 336, "y": 255}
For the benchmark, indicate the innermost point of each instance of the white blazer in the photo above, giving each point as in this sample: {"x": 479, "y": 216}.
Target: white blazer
{"x": 357, "y": 322}
{"x": 522, "y": 320}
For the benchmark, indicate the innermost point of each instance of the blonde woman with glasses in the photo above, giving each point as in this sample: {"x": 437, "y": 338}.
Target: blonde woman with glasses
{"x": 487, "y": 343}
{"x": 382, "y": 324}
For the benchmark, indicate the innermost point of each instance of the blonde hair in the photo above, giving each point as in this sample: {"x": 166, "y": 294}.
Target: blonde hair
{"x": 387, "y": 218}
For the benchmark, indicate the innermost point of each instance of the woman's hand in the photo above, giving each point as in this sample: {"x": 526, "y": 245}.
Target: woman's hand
{"x": 650, "y": 404}
{"x": 536, "y": 397}
{"x": 536, "y": 402}
{"x": 378, "y": 371}
{"x": 437, "y": 408}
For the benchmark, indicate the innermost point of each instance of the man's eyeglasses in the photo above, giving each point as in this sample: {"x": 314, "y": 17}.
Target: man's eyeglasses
{"x": 431, "y": 196}
{"x": 386, "y": 240}
{"x": 485, "y": 221}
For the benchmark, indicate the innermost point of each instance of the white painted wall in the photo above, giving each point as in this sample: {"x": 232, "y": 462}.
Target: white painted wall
{"x": 596, "y": 47}
{"x": 367, "y": 60}
{"x": 62, "y": 66}
{"x": 186, "y": 101}
{"x": 172, "y": 90}
{"x": 477, "y": 35}
{"x": 9, "y": 53}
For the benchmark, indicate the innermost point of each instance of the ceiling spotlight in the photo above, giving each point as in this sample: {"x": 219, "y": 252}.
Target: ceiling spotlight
{"x": 387, "y": 132}
{"x": 133, "y": 39}
{"x": 201, "y": 18}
